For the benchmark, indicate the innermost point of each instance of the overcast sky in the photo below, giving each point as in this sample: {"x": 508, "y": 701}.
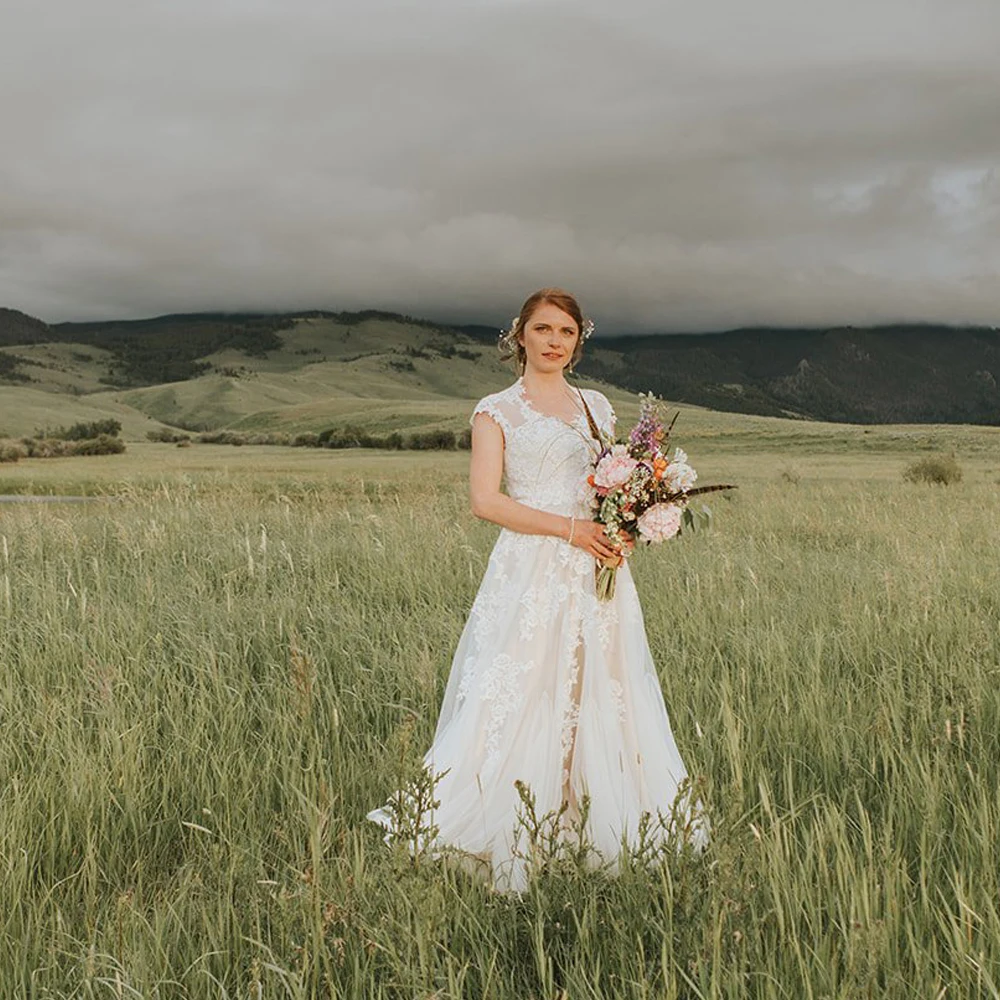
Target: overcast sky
{"x": 690, "y": 166}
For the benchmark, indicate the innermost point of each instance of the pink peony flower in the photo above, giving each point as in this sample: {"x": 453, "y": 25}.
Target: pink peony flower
{"x": 614, "y": 469}
{"x": 660, "y": 522}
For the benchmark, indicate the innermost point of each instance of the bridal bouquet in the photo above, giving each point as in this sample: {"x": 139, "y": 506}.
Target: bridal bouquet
{"x": 641, "y": 491}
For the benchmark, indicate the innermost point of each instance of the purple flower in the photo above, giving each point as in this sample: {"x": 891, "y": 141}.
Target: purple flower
{"x": 645, "y": 437}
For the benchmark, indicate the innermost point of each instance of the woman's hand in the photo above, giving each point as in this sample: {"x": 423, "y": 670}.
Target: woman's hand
{"x": 629, "y": 544}
{"x": 591, "y": 537}
{"x": 624, "y": 550}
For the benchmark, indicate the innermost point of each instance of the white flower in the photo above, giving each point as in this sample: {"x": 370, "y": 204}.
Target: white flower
{"x": 678, "y": 475}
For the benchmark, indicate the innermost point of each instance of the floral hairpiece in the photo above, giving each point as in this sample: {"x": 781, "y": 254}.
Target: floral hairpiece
{"x": 508, "y": 336}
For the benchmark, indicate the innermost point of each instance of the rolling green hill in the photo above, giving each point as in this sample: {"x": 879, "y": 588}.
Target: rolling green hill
{"x": 61, "y": 367}
{"x": 384, "y": 371}
{"x": 379, "y": 371}
{"x": 25, "y": 409}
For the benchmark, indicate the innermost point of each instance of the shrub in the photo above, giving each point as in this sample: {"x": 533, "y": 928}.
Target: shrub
{"x": 942, "y": 469}
{"x": 83, "y": 431}
{"x": 349, "y": 436}
{"x": 11, "y": 452}
{"x": 105, "y": 444}
{"x": 273, "y": 437}
{"x": 222, "y": 437}
{"x": 431, "y": 439}
{"x": 167, "y": 436}
{"x": 45, "y": 447}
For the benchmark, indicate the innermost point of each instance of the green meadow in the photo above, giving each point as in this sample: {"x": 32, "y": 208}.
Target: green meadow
{"x": 217, "y": 664}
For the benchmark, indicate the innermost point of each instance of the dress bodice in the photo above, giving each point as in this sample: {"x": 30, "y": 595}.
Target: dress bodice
{"x": 547, "y": 459}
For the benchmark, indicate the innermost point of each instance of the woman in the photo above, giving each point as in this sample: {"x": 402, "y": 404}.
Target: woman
{"x": 549, "y": 686}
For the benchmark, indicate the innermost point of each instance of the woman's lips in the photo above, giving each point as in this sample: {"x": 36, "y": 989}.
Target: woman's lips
{"x": 554, "y": 356}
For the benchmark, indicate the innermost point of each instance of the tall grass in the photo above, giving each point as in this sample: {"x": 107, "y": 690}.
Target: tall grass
{"x": 204, "y": 689}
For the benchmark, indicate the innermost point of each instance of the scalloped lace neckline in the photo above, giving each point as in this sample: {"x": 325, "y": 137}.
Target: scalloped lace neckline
{"x": 522, "y": 394}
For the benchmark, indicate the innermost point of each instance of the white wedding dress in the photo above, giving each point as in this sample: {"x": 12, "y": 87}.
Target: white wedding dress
{"x": 549, "y": 684}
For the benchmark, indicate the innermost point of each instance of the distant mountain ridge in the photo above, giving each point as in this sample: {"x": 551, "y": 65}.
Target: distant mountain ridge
{"x": 889, "y": 374}
{"x": 17, "y": 327}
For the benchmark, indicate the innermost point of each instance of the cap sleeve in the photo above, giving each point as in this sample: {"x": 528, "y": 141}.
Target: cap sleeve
{"x": 490, "y": 405}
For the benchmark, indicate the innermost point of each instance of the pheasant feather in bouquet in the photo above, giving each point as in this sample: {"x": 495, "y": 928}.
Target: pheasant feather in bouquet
{"x": 641, "y": 491}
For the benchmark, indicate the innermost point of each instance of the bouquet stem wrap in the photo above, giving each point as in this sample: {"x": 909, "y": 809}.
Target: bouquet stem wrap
{"x": 606, "y": 572}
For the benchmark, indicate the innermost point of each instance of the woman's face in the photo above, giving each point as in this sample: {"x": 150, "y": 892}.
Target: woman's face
{"x": 549, "y": 338}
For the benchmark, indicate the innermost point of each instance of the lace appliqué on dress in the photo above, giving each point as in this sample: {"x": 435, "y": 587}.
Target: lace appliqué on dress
{"x": 491, "y": 405}
{"x": 616, "y": 694}
{"x": 601, "y": 619}
{"x": 569, "y": 666}
{"x": 486, "y": 608}
{"x": 502, "y": 686}
{"x": 538, "y": 606}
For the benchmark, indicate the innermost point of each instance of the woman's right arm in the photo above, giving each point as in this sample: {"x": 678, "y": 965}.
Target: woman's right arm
{"x": 490, "y": 504}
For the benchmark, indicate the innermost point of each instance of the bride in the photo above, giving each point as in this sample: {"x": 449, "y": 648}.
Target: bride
{"x": 549, "y": 687}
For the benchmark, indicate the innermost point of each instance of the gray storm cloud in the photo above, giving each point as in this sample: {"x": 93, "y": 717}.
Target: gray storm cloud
{"x": 678, "y": 166}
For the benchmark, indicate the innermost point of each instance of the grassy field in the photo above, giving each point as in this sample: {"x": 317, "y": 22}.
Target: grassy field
{"x": 211, "y": 673}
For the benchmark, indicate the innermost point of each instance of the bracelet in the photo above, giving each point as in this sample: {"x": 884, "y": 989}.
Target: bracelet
{"x": 572, "y": 528}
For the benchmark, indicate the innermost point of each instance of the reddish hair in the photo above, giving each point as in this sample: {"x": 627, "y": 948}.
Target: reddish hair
{"x": 557, "y": 297}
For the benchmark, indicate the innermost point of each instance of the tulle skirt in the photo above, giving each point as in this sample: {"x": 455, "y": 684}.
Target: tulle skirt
{"x": 557, "y": 690}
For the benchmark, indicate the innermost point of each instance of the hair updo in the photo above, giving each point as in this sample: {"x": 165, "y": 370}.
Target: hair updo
{"x": 559, "y": 297}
